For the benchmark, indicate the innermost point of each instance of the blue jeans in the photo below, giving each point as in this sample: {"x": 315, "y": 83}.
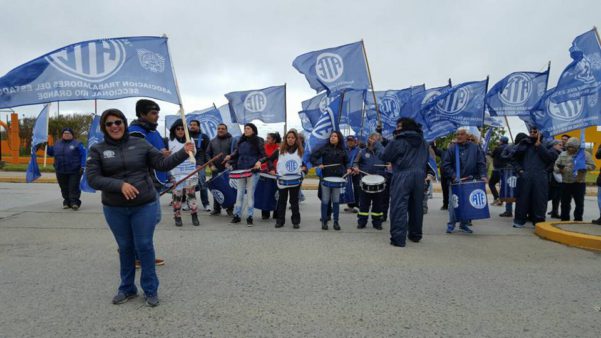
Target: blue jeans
{"x": 509, "y": 207}
{"x": 599, "y": 198}
{"x": 328, "y": 194}
{"x": 247, "y": 185}
{"x": 133, "y": 228}
{"x": 452, "y": 219}
{"x": 202, "y": 187}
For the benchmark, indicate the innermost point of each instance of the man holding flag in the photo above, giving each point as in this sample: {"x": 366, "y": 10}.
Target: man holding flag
{"x": 69, "y": 161}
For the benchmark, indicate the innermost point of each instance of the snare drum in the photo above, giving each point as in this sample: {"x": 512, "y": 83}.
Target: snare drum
{"x": 373, "y": 184}
{"x": 238, "y": 174}
{"x": 333, "y": 182}
{"x": 289, "y": 181}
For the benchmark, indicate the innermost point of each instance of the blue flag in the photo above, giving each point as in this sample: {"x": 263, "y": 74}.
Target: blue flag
{"x": 39, "y": 136}
{"x": 208, "y": 118}
{"x": 229, "y": 118}
{"x": 322, "y": 129}
{"x": 462, "y": 104}
{"x": 336, "y": 69}
{"x": 94, "y": 136}
{"x": 419, "y": 106}
{"x": 582, "y": 77}
{"x": 309, "y": 118}
{"x": 486, "y": 141}
{"x": 517, "y": 94}
{"x": 96, "y": 69}
{"x": 492, "y": 121}
{"x": 579, "y": 161}
{"x": 267, "y": 105}
{"x": 556, "y": 118}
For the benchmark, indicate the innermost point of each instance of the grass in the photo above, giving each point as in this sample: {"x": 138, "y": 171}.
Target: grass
{"x": 23, "y": 167}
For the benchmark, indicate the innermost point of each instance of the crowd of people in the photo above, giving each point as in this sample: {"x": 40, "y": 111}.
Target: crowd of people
{"x": 134, "y": 164}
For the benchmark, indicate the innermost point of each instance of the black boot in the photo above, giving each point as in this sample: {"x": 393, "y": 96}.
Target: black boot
{"x": 195, "y": 220}
{"x": 178, "y": 222}
{"x": 249, "y": 221}
{"x": 236, "y": 219}
{"x": 597, "y": 221}
{"x": 336, "y": 225}
{"x": 324, "y": 225}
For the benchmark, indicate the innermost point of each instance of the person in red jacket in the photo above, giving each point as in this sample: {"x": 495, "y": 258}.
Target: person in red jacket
{"x": 272, "y": 143}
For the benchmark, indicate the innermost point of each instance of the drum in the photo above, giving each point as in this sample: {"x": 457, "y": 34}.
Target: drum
{"x": 222, "y": 191}
{"x": 289, "y": 181}
{"x": 238, "y": 174}
{"x": 508, "y": 185}
{"x": 333, "y": 182}
{"x": 373, "y": 184}
{"x": 469, "y": 200}
{"x": 265, "y": 192}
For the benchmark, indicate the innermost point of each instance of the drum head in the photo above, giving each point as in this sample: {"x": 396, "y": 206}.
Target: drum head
{"x": 290, "y": 177}
{"x": 334, "y": 179}
{"x": 266, "y": 175}
{"x": 242, "y": 171}
{"x": 373, "y": 179}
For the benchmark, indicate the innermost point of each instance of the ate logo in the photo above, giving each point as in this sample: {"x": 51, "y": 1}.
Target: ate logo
{"x": 218, "y": 195}
{"x": 478, "y": 199}
{"x": 329, "y": 67}
{"x": 255, "y": 102}
{"x": 208, "y": 125}
{"x": 291, "y": 166}
{"x": 93, "y": 61}
{"x": 390, "y": 105}
{"x": 567, "y": 110}
{"x": 455, "y": 102}
{"x": 517, "y": 91}
{"x": 512, "y": 182}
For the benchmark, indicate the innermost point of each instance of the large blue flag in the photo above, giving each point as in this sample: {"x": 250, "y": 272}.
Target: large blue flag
{"x": 320, "y": 135}
{"x": 230, "y": 119}
{"x": 556, "y": 118}
{"x": 419, "y": 107}
{"x": 208, "y": 118}
{"x": 94, "y": 136}
{"x": 96, "y": 69}
{"x": 517, "y": 94}
{"x": 336, "y": 69}
{"x": 267, "y": 105}
{"x": 39, "y": 136}
{"x": 352, "y": 103}
{"x": 309, "y": 118}
{"x": 582, "y": 77}
{"x": 463, "y": 104}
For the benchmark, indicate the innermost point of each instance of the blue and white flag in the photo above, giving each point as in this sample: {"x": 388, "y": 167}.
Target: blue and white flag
{"x": 229, "y": 119}
{"x": 582, "y": 77}
{"x": 336, "y": 69}
{"x": 517, "y": 94}
{"x": 419, "y": 107}
{"x": 208, "y": 118}
{"x": 486, "y": 140}
{"x": 556, "y": 118}
{"x": 462, "y": 104}
{"x": 322, "y": 129}
{"x": 267, "y": 105}
{"x": 39, "y": 136}
{"x": 97, "y": 69}
{"x": 94, "y": 136}
{"x": 309, "y": 118}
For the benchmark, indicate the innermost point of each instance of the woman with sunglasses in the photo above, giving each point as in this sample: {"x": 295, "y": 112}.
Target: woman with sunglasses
{"x": 120, "y": 167}
{"x": 177, "y": 140}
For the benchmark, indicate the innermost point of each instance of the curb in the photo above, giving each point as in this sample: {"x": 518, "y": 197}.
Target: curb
{"x": 22, "y": 180}
{"x": 548, "y": 231}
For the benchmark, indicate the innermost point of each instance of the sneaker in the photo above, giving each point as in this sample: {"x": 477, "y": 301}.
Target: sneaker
{"x": 506, "y": 214}
{"x": 450, "y": 228}
{"x": 555, "y": 215}
{"x": 336, "y": 226}
{"x": 360, "y": 226}
{"x": 324, "y": 226}
{"x": 152, "y": 301}
{"x": 236, "y": 219}
{"x": 66, "y": 206}
{"x": 207, "y": 208}
{"x": 465, "y": 228}
{"x": 378, "y": 227}
{"x": 400, "y": 245}
{"x": 185, "y": 207}
{"x": 121, "y": 297}
{"x": 519, "y": 226}
{"x": 355, "y": 210}
{"x": 414, "y": 239}
{"x": 444, "y": 207}
{"x": 296, "y": 226}
{"x": 597, "y": 221}
{"x": 75, "y": 207}
{"x": 279, "y": 225}
{"x": 178, "y": 221}
{"x": 249, "y": 221}
{"x": 195, "y": 221}
{"x": 230, "y": 212}
{"x": 215, "y": 213}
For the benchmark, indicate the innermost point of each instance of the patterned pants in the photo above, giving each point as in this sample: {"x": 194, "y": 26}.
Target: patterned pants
{"x": 178, "y": 193}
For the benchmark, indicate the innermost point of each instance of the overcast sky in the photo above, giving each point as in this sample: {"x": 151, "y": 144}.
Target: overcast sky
{"x": 222, "y": 46}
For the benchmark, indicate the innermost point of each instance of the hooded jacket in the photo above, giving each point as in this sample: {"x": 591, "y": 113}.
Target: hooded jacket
{"x": 471, "y": 161}
{"x": 566, "y": 161}
{"x": 408, "y": 151}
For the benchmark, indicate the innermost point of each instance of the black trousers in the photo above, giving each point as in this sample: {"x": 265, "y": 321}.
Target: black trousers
{"x": 69, "y": 184}
{"x": 555, "y": 196}
{"x": 356, "y": 190}
{"x": 532, "y": 196}
{"x": 575, "y": 191}
{"x": 386, "y": 197}
{"x": 492, "y": 184}
{"x": 444, "y": 182}
{"x": 293, "y": 193}
{"x": 369, "y": 201}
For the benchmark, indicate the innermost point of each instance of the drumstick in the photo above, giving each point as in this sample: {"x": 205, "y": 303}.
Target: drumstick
{"x": 361, "y": 171}
{"x": 380, "y": 165}
{"x": 330, "y": 165}
{"x": 192, "y": 173}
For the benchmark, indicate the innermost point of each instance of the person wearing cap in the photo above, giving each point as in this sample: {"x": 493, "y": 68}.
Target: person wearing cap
{"x": 69, "y": 160}
{"x": 120, "y": 166}
{"x": 499, "y": 165}
{"x": 352, "y": 150}
{"x": 531, "y": 160}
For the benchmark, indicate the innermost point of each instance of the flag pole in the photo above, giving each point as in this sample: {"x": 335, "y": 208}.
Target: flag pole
{"x": 508, "y": 128}
{"x": 362, "y": 116}
{"x": 47, "y": 130}
{"x": 340, "y": 105}
{"x": 179, "y": 99}
{"x": 484, "y": 104}
{"x": 285, "y": 110}
{"x": 371, "y": 84}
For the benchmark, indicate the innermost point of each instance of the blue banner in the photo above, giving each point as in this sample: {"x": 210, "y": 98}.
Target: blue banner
{"x": 230, "y": 119}
{"x": 556, "y": 118}
{"x": 486, "y": 141}
{"x": 462, "y": 104}
{"x": 322, "y": 129}
{"x": 336, "y": 69}
{"x": 309, "y": 118}
{"x": 517, "y": 94}
{"x": 267, "y": 105}
{"x": 94, "y": 136}
{"x": 582, "y": 77}
{"x": 97, "y": 69}
{"x": 419, "y": 107}
{"x": 39, "y": 136}
{"x": 208, "y": 118}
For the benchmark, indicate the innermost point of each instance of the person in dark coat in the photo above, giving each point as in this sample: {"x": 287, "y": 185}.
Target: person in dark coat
{"x": 69, "y": 160}
{"x": 408, "y": 154}
{"x": 201, "y": 140}
{"x": 532, "y": 159}
{"x": 554, "y": 184}
{"x": 598, "y": 156}
{"x": 333, "y": 161}
{"x": 222, "y": 143}
{"x": 352, "y": 149}
{"x": 120, "y": 167}
{"x": 498, "y": 164}
{"x": 472, "y": 165}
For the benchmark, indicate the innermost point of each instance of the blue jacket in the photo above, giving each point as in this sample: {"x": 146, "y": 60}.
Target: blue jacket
{"x": 471, "y": 161}
{"x": 367, "y": 159}
{"x": 533, "y": 161}
{"x": 408, "y": 151}
{"x": 352, "y": 154}
{"x": 248, "y": 152}
{"x": 69, "y": 156}
{"x": 147, "y": 130}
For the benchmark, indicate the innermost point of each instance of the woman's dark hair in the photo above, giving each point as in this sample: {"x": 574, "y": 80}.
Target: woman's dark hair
{"x": 115, "y": 113}
{"x": 409, "y": 124}
{"x": 177, "y": 123}
{"x": 284, "y": 147}
{"x": 276, "y": 137}
{"x": 340, "y": 139}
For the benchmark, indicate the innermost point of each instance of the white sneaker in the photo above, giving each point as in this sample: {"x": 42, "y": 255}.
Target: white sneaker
{"x": 185, "y": 207}
{"x": 208, "y": 208}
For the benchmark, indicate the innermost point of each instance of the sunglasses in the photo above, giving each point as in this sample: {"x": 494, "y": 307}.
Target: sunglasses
{"x": 179, "y": 128}
{"x": 110, "y": 123}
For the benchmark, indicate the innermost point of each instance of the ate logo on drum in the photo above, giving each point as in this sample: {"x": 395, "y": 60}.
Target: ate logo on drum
{"x": 478, "y": 199}
{"x": 291, "y": 165}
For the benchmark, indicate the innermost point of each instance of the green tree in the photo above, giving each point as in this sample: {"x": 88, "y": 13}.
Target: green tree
{"x": 78, "y": 122}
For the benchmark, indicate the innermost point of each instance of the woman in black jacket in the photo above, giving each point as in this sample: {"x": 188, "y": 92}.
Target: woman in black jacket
{"x": 333, "y": 162}
{"x": 119, "y": 167}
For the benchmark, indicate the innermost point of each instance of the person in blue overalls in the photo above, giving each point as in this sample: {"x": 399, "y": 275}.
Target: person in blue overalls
{"x": 69, "y": 161}
{"x": 352, "y": 149}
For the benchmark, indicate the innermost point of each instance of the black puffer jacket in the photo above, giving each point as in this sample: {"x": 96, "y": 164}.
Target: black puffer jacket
{"x": 111, "y": 163}
{"x": 329, "y": 154}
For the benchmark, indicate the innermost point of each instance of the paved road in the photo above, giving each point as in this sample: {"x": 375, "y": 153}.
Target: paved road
{"x": 59, "y": 270}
